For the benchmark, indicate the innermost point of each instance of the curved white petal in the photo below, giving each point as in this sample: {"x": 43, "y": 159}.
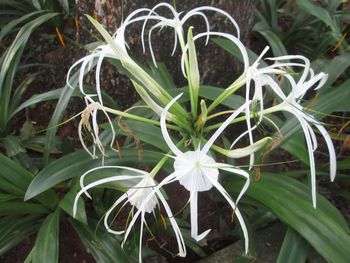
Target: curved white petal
{"x": 110, "y": 210}
{"x": 232, "y": 38}
{"x": 228, "y": 198}
{"x": 210, "y": 8}
{"x": 143, "y": 173}
{"x": 242, "y": 173}
{"x": 227, "y": 122}
{"x": 96, "y": 183}
{"x": 180, "y": 241}
{"x": 194, "y": 216}
{"x": 311, "y": 156}
{"x": 331, "y": 150}
{"x": 164, "y": 130}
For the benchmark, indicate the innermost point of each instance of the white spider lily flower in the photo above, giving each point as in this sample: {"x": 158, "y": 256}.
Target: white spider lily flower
{"x": 135, "y": 196}
{"x": 91, "y": 110}
{"x": 177, "y": 23}
{"x": 116, "y": 49}
{"x": 291, "y": 104}
{"x": 197, "y": 172}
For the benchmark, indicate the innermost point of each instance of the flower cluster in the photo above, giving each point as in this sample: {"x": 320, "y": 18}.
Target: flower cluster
{"x": 195, "y": 165}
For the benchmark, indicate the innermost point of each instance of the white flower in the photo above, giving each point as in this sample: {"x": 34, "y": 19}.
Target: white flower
{"x": 291, "y": 103}
{"x": 91, "y": 110}
{"x": 197, "y": 172}
{"x": 177, "y": 23}
{"x": 143, "y": 196}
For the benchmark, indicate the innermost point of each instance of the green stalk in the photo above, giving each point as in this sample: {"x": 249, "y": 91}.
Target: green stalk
{"x": 242, "y": 118}
{"x": 227, "y": 92}
{"x": 162, "y": 161}
{"x": 138, "y": 118}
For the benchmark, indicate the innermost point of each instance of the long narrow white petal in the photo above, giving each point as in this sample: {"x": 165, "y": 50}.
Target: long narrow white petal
{"x": 96, "y": 183}
{"x": 194, "y": 216}
{"x": 110, "y": 210}
{"x": 311, "y": 156}
{"x": 232, "y": 38}
{"x": 168, "y": 179}
{"x": 223, "y": 126}
{"x": 331, "y": 150}
{"x": 228, "y": 198}
{"x": 143, "y": 173}
{"x": 141, "y": 234}
{"x": 210, "y": 8}
{"x": 180, "y": 241}
{"x": 242, "y": 173}
{"x": 164, "y": 130}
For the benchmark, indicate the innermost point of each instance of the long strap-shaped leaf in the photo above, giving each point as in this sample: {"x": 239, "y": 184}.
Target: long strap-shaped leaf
{"x": 324, "y": 228}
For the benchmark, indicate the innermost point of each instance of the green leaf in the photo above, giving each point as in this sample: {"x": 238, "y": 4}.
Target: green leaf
{"x": 12, "y": 145}
{"x": 10, "y": 63}
{"x": 324, "y": 228}
{"x": 146, "y": 133}
{"x": 21, "y": 208}
{"x": 275, "y": 42}
{"x": 75, "y": 164}
{"x": 294, "y": 248}
{"x": 15, "y": 229}
{"x": 320, "y": 13}
{"x": 46, "y": 245}
{"x": 334, "y": 68}
{"x": 15, "y": 179}
{"x": 12, "y": 25}
{"x": 67, "y": 205}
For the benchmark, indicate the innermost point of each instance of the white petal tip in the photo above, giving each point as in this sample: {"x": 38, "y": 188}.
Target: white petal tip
{"x": 201, "y": 236}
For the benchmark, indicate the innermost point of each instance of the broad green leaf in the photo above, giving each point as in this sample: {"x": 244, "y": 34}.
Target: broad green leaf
{"x": 46, "y": 245}
{"x": 15, "y": 229}
{"x": 20, "y": 90}
{"x": 294, "y": 248}
{"x": 274, "y": 41}
{"x": 22, "y": 208}
{"x": 67, "y": 205}
{"x": 12, "y": 145}
{"x": 324, "y": 228}
{"x": 37, "y": 143}
{"x": 75, "y": 164}
{"x": 15, "y": 179}
{"x": 320, "y": 13}
{"x": 334, "y": 68}
{"x": 146, "y": 133}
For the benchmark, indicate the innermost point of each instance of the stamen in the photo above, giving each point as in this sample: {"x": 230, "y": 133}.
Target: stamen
{"x": 118, "y": 149}
{"x": 312, "y": 103}
{"x": 60, "y": 37}
{"x": 341, "y": 40}
{"x": 163, "y": 221}
{"x": 233, "y": 216}
{"x": 257, "y": 176}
